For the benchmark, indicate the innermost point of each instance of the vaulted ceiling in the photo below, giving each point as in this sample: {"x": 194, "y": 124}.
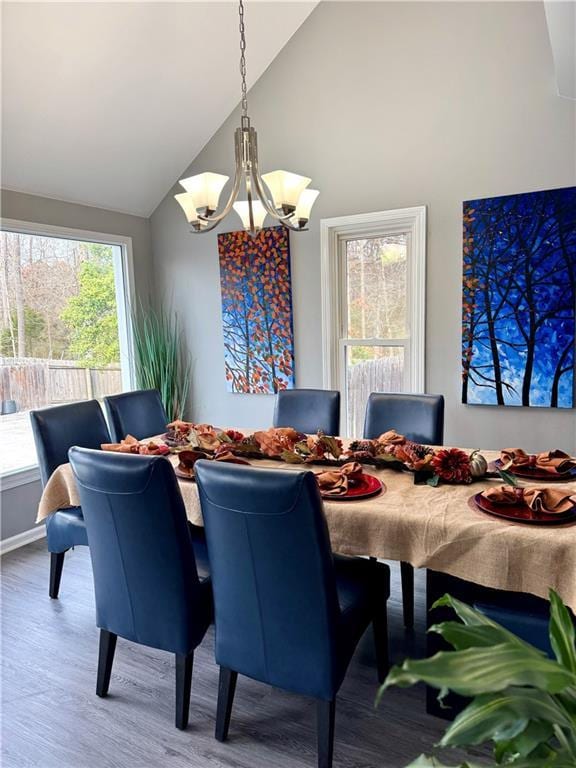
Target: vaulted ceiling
{"x": 107, "y": 103}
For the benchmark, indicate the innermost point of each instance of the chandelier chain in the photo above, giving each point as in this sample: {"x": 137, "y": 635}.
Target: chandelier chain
{"x": 243, "y": 59}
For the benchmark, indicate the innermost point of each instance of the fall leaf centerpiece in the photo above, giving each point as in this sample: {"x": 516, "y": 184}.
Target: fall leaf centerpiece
{"x": 392, "y": 449}
{"x": 177, "y": 433}
{"x": 449, "y": 465}
{"x": 315, "y": 449}
{"x": 274, "y": 442}
{"x": 201, "y": 437}
{"x": 131, "y": 445}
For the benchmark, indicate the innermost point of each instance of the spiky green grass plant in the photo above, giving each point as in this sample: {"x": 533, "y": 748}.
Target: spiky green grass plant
{"x": 161, "y": 358}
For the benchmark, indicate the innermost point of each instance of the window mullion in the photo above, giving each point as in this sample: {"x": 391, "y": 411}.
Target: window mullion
{"x": 375, "y": 342}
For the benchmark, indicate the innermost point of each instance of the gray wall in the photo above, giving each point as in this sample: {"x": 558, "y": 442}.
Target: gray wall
{"x": 18, "y": 505}
{"x": 387, "y": 105}
{"x": 44, "y": 210}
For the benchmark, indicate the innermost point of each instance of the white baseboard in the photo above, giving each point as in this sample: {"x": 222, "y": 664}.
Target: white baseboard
{"x": 21, "y": 539}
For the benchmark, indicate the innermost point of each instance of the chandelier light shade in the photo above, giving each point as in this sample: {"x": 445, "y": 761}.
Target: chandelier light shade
{"x": 242, "y": 208}
{"x": 285, "y": 188}
{"x": 282, "y": 195}
{"x": 186, "y": 200}
{"x": 305, "y": 202}
{"x": 205, "y": 189}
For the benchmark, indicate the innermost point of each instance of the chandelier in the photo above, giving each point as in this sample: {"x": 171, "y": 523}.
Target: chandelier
{"x": 282, "y": 195}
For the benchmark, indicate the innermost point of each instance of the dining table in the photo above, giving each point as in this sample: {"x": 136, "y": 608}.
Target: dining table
{"x": 438, "y": 528}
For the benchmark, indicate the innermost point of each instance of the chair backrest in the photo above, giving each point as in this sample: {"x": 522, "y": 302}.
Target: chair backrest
{"x": 271, "y": 564}
{"x": 308, "y": 410}
{"x": 418, "y": 417}
{"x": 145, "y": 576}
{"x": 139, "y": 413}
{"x": 56, "y": 429}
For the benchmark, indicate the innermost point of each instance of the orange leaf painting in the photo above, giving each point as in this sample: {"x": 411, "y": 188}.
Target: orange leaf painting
{"x": 256, "y": 291}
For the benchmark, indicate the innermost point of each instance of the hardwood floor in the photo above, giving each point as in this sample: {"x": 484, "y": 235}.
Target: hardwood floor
{"x": 52, "y": 718}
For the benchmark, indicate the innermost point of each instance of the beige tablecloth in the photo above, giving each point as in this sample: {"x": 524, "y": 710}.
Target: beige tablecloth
{"x": 428, "y": 527}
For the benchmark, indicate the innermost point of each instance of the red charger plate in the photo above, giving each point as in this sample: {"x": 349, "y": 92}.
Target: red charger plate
{"x": 367, "y": 486}
{"x": 521, "y": 513}
{"x": 538, "y": 474}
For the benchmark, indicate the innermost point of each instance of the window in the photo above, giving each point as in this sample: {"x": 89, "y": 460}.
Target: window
{"x": 373, "y": 286}
{"x": 64, "y": 326}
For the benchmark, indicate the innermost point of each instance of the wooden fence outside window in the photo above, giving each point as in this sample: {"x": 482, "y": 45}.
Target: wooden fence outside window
{"x": 35, "y": 383}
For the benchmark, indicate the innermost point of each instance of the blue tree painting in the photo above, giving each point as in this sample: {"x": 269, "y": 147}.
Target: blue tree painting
{"x": 519, "y": 299}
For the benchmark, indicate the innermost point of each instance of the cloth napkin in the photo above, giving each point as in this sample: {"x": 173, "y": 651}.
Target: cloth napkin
{"x": 553, "y": 462}
{"x": 128, "y": 445}
{"x": 131, "y": 445}
{"x": 335, "y": 482}
{"x": 553, "y": 501}
{"x": 189, "y": 458}
{"x": 230, "y": 458}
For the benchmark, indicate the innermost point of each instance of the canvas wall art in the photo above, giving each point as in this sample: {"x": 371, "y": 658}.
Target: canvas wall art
{"x": 518, "y": 299}
{"x": 257, "y": 310}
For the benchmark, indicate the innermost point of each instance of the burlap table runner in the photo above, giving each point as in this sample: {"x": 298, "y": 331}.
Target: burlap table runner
{"x": 428, "y": 527}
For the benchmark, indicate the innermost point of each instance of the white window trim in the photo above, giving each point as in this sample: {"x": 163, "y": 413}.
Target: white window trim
{"x": 333, "y": 233}
{"x": 22, "y": 476}
{"x": 124, "y": 300}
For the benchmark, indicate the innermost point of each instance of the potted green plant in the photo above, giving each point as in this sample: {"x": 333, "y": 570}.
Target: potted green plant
{"x": 522, "y": 703}
{"x": 161, "y": 360}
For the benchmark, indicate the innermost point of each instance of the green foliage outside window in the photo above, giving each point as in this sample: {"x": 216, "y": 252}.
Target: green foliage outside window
{"x": 34, "y": 329}
{"x": 91, "y": 315}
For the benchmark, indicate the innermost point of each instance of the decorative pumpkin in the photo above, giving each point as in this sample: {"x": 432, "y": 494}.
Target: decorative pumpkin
{"x": 478, "y": 464}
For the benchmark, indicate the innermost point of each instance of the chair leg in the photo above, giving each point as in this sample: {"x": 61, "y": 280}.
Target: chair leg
{"x": 105, "y": 659}
{"x": 380, "y": 627}
{"x": 56, "y": 565}
{"x": 226, "y": 690}
{"x": 184, "y": 663}
{"x": 326, "y": 711}
{"x": 407, "y": 575}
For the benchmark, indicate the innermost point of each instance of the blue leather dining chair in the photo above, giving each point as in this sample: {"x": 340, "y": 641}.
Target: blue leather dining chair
{"x": 287, "y": 612}
{"x": 308, "y": 410}
{"x": 140, "y": 414}
{"x": 55, "y": 430}
{"x": 147, "y": 586}
{"x": 419, "y": 418}
{"x": 530, "y": 626}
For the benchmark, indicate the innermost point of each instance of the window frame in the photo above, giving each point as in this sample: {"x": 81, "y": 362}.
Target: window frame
{"x": 124, "y": 300}
{"x": 334, "y": 233}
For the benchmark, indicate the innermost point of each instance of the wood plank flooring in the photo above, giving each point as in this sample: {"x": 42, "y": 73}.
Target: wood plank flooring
{"x": 51, "y": 717}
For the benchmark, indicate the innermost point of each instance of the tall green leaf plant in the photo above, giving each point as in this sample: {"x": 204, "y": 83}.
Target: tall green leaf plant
{"x": 522, "y": 703}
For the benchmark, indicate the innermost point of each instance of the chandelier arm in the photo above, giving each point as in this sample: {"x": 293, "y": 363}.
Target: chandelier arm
{"x": 216, "y": 217}
{"x": 209, "y": 227}
{"x": 288, "y": 225}
{"x": 259, "y": 184}
{"x": 251, "y": 227}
